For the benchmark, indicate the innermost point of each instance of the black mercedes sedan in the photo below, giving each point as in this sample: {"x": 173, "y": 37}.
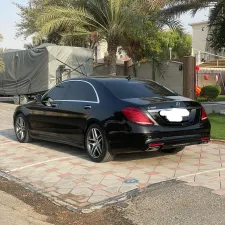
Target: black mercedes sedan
{"x": 107, "y": 116}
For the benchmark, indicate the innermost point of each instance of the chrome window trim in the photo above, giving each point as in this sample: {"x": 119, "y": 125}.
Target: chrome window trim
{"x": 96, "y": 93}
{"x": 75, "y": 101}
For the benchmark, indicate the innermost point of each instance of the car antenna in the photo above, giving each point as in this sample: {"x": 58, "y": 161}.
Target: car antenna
{"x": 128, "y": 78}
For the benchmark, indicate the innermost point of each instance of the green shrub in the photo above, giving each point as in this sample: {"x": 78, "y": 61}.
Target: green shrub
{"x": 210, "y": 92}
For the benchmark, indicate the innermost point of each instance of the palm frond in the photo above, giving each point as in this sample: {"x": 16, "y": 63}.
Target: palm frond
{"x": 178, "y": 7}
{"x": 216, "y": 13}
{"x": 74, "y": 40}
{"x": 171, "y": 22}
{"x": 57, "y": 17}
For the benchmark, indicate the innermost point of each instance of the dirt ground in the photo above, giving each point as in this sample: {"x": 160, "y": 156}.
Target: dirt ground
{"x": 59, "y": 215}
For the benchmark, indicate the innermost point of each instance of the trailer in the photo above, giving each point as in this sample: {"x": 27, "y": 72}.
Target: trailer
{"x": 34, "y": 71}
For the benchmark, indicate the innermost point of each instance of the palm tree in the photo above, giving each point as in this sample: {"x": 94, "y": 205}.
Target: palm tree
{"x": 112, "y": 20}
{"x": 2, "y": 67}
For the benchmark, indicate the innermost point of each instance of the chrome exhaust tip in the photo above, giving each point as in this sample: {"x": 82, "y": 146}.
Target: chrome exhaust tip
{"x": 205, "y": 142}
{"x": 154, "y": 146}
{"x": 152, "y": 149}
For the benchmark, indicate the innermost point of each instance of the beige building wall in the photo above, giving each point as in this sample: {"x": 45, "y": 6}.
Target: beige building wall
{"x": 200, "y": 45}
{"x": 102, "y": 50}
{"x": 172, "y": 75}
{"x": 200, "y": 33}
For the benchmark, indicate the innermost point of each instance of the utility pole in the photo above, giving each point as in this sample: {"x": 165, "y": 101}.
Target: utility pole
{"x": 170, "y": 49}
{"x": 189, "y": 77}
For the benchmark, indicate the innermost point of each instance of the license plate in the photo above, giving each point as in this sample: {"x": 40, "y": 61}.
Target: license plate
{"x": 175, "y": 115}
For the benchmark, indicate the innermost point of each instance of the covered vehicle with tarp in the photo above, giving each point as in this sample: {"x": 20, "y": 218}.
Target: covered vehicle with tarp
{"x": 33, "y": 71}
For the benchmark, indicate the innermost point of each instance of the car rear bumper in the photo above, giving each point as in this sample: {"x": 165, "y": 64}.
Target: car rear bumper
{"x": 176, "y": 141}
{"x": 149, "y": 142}
{"x": 139, "y": 138}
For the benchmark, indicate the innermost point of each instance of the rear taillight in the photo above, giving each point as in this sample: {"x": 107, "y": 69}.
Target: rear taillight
{"x": 137, "y": 116}
{"x": 204, "y": 114}
{"x": 159, "y": 144}
{"x": 205, "y": 139}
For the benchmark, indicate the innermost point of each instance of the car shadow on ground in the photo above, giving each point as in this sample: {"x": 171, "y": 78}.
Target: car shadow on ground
{"x": 80, "y": 152}
{"x": 67, "y": 149}
{"x": 138, "y": 156}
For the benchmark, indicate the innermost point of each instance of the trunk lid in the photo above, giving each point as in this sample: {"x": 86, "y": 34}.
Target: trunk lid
{"x": 184, "y": 111}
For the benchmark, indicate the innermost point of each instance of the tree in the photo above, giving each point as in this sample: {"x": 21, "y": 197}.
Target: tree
{"x": 157, "y": 44}
{"x": 2, "y": 67}
{"x": 216, "y": 21}
{"x": 112, "y": 20}
{"x": 178, "y": 40}
{"x": 217, "y": 26}
{"x": 155, "y": 47}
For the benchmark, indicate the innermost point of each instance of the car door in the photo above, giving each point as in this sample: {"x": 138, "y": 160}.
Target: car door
{"x": 46, "y": 117}
{"x": 80, "y": 101}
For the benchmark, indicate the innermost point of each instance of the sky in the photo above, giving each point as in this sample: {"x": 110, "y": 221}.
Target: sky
{"x": 9, "y": 17}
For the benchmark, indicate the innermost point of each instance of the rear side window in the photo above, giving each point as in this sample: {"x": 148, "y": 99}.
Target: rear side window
{"x": 81, "y": 91}
{"x": 138, "y": 89}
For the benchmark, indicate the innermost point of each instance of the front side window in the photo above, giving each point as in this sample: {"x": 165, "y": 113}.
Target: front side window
{"x": 81, "y": 91}
{"x": 57, "y": 93}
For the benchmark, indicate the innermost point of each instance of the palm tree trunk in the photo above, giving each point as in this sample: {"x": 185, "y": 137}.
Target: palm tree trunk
{"x": 112, "y": 50}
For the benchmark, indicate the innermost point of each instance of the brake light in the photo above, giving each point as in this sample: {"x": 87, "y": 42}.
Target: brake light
{"x": 137, "y": 116}
{"x": 204, "y": 114}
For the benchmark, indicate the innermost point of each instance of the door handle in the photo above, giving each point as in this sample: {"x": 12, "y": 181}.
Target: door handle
{"x": 87, "y": 107}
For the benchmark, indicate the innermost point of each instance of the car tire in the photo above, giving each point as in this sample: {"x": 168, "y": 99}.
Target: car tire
{"x": 21, "y": 129}
{"x": 97, "y": 145}
{"x": 173, "y": 150}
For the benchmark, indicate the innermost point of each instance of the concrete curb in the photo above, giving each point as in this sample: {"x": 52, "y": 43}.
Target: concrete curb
{"x": 218, "y": 141}
{"x": 213, "y": 107}
{"x": 61, "y": 202}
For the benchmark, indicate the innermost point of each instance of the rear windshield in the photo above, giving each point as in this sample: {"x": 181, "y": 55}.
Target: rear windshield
{"x": 137, "y": 89}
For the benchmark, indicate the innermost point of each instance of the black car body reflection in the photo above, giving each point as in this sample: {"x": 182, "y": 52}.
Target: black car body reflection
{"x": 107, "y": 116}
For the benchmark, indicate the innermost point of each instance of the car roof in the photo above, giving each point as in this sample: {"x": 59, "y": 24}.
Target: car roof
{"x": 110, "y": 79}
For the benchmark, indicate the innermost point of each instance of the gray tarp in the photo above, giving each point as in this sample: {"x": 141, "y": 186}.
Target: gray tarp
{"x": 34, "y": 70}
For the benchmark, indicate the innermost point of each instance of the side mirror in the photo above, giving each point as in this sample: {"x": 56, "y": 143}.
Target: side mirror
{"x": 38, "y": 98}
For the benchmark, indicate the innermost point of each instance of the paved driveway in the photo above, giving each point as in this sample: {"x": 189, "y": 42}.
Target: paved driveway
{"x": 66, "y": 175}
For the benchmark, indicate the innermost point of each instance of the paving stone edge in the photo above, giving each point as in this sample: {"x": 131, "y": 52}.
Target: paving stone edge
{"x": 61, "y": 202}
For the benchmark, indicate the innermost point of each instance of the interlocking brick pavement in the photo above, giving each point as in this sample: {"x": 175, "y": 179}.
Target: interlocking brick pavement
{"x": 66, "y": 174}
